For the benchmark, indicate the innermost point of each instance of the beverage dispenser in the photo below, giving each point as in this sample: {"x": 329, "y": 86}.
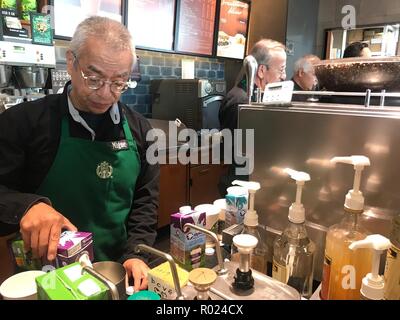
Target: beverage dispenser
{"x": 24, "y": 69}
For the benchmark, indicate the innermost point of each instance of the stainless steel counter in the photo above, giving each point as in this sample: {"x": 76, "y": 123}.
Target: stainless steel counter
{"x": 305, "y": 137}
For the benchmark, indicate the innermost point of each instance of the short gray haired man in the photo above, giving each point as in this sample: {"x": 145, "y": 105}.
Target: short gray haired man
{"x": 304, "y": 74}
{"x": 112, "y": 33}
{"x": 85, "y": 166}
{"x": 271, "y": 58}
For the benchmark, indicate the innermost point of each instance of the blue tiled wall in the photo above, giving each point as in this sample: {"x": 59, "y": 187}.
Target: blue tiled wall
{"x": 156, "y": 65}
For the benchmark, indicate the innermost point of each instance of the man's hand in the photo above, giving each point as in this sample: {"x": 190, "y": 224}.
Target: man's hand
{"x": 138, "y": 269}
{"x": 40, "y": 229}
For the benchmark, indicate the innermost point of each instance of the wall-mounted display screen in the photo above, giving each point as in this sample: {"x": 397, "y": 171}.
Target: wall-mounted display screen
{"x": 232, "y": 30}
{"x": 151, "y": 23}
{"x": 69, "y": 13}
{"x": 195, "y": 31}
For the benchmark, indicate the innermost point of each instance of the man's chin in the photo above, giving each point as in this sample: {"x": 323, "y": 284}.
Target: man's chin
{"x": 99, "y": 107}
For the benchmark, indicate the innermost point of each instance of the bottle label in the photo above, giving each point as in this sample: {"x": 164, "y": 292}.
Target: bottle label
{"x": 279, "y": 272}
{"x": 326, "y": 275}
{"x": 392, "y": 274}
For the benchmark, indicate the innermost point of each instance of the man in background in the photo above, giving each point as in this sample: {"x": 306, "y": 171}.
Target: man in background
{"x": 357, "y": 50}
{"x": 271, "y": 59}
{"x": 304, "y": 77}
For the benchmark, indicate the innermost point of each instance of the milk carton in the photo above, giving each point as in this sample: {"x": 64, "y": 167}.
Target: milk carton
{"x": 72, "y": 245}
{"x": 161, "y": 282}
{"x": 24, "y": 261}
{"x": 70, "y": 283}
{"x": 236, "y": 205}
{"x": 188, "y": 247}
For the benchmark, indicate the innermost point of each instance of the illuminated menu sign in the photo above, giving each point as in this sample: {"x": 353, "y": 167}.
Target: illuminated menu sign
{"x": 196, "y": 26}
{"x": 151, "y": 23}
{"x": 69, "y": 13}
{"x": 232, "y": 31}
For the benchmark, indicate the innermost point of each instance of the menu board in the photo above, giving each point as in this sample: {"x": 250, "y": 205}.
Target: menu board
{"x": 151, "y": 23}
{"x": 232, "y": 31}
{"x": 69, "y": 13}
{"x": 196, "y": 21}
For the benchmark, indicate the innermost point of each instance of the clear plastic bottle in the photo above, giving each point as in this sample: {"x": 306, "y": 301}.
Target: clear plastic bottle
{"x": 392, "y": 268}
{"x": 259, "y": 256}
{"x": 342, "y": 264}
{"x": 344, "y": 268}
{"x": 293, "y": 259}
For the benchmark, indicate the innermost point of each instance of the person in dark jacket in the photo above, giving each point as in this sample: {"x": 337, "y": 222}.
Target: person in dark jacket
{"x": 304, "y": 77}
{"x": 271, "y": 59}
{"x": 77, "y": 160}
{"x": 357, "y": 50}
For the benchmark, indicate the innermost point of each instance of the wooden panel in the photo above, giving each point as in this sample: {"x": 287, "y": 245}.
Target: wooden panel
{"x": 268, "y": 19}
{"x": 204, "y": 183}
{"x": 173, "y": 191}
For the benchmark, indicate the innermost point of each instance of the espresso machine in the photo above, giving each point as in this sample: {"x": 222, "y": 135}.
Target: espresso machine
{"x": 24, "y": 70}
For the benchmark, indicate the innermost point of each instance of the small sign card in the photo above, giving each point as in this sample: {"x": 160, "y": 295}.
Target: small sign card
{"x": 11, "y": 25}
{"x": 41, "y": 28}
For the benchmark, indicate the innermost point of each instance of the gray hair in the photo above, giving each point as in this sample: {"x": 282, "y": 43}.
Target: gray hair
{"x": 263, "y": 50}
{"x": 306, "y": 63}
{"x": 112, "y": 33}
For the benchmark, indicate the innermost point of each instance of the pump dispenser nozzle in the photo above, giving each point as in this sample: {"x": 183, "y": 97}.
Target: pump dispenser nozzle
{"x": 296, "y": 210}
{"x": 373, "y": 285}
{"x": 354, "y": 198}
{"x": 251, "y": 217}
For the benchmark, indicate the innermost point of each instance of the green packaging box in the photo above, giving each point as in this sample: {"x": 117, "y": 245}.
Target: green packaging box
{"x": 68, "y": 283}
{"x": 23, "y": 260}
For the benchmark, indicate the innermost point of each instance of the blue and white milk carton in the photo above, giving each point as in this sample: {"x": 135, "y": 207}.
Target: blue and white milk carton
{"x": 188, "y": 248}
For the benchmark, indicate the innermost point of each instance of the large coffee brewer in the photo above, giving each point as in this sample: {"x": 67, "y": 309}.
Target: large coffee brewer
{"x": 24, "y": 71}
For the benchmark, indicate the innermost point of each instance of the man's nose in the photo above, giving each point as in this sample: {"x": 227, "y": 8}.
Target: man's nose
{"x": 105, "y": 91}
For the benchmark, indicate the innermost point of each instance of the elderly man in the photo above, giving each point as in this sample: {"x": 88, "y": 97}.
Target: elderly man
{"x": 304, "y": 77}
{"x": 271, "y": 59}
{"x": 76, "y": 160}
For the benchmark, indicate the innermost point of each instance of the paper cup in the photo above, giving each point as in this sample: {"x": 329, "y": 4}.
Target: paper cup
{"x": 21, "y": 286}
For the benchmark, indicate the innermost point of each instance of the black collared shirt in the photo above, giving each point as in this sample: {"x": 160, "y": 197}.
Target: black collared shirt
{"x": 29, "y": 140}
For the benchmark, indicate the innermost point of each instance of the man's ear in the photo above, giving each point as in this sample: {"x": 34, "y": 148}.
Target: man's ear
{"x": 70, "y": 61}
{"x": 260, "y": 73}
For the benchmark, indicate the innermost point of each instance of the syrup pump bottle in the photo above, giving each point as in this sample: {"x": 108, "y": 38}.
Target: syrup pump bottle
{"x": 293, "y": 258}
{"x": 392, "y": 268}
{"x": 245, "y": 244}
{"x": 373, "y": 285}
{"x": 259, "y": 256}
{"x": 202, "y": 279}
{"x": 343, "y": 268}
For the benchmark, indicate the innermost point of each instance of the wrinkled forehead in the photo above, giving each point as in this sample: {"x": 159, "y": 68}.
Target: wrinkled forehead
{"x": 278, "y": 57}
{"x": 107, "y": 62}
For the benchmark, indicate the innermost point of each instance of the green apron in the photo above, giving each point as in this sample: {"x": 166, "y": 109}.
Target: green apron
{"x": 92, "y": 184}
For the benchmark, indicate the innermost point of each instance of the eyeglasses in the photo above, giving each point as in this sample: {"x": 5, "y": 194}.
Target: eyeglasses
{"x": 95, "y": 83}
{"x": 281, "y": 71}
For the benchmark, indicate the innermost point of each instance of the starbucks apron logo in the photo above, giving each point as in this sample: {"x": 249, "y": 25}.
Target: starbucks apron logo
{"x": 104, "y": 170}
